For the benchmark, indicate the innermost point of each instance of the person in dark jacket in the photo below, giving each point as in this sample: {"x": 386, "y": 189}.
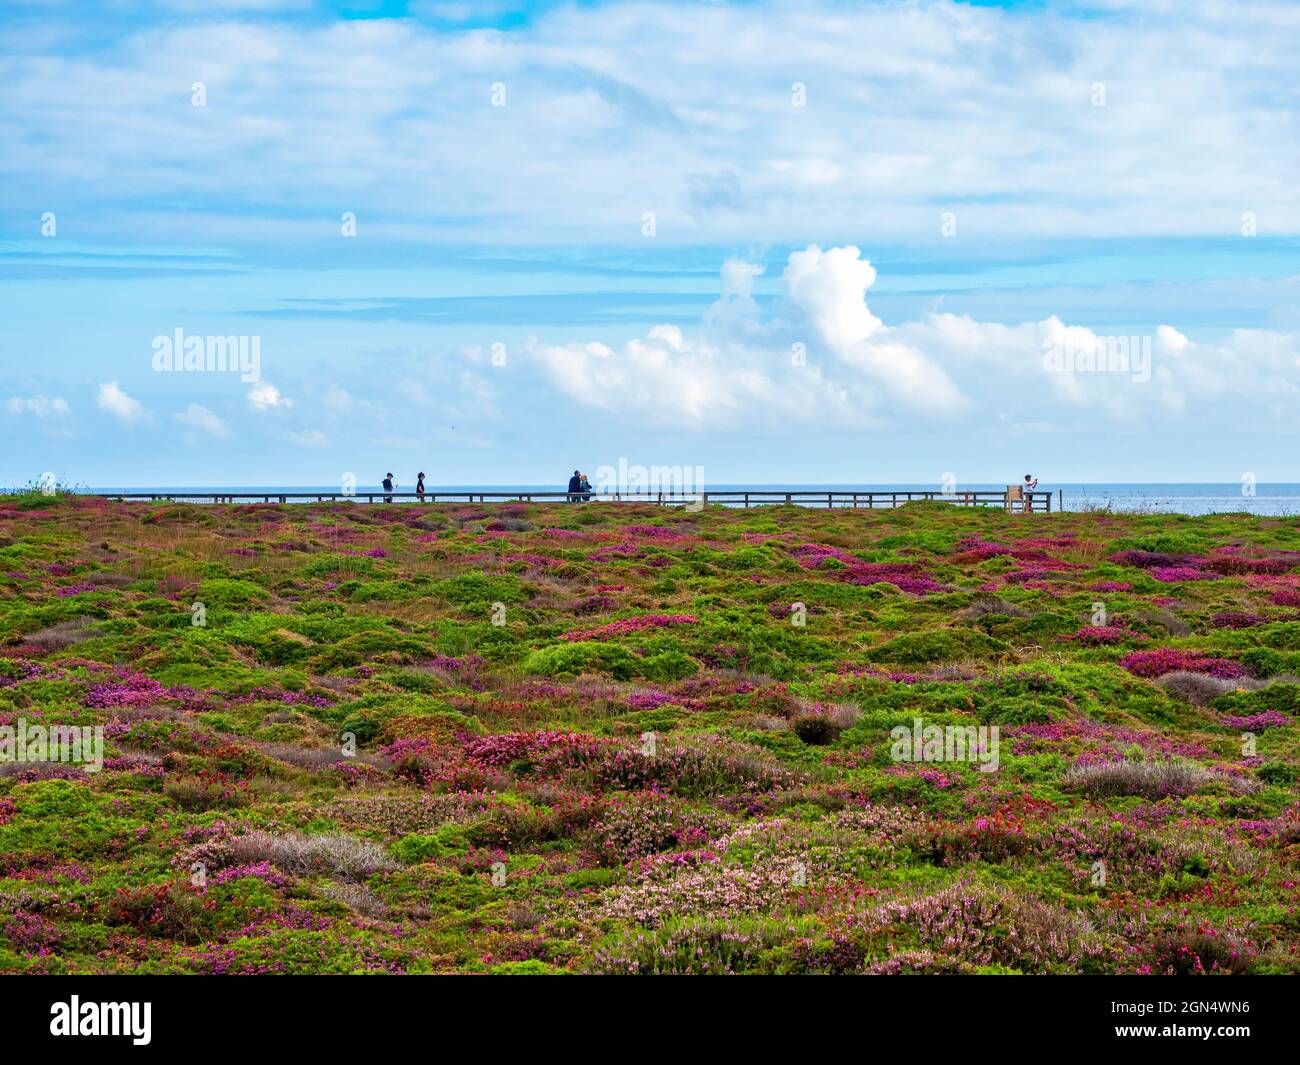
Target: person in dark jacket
{"x": 388, "y": 487}
{"x": 419, "y": 486}
{"x": 575, "y": 487}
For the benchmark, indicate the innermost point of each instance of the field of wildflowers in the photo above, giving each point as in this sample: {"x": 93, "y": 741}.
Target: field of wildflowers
{"x": 615, "y": 739}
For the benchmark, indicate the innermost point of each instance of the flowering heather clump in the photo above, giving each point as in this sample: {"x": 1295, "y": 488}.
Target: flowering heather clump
{"x": 1168, "y": 660}
{"x": 664, "y": 891}
{"x": 973, "y": 549}
{"x": 647, "y": 700}
{"x": 690, "y": 947}
{"x": 1100, "y": 635}
{"x": 1153, "y": 780}
{"x": 594, "y": 604}
{"x": 1236, "y": 619}
{"x": 1173, "y": 574}
{"x": 700, "y": 765}
{"x": 812, "y": 556}
{"x": 1154, "y": 559}
{"x": 75, "y": 589}
{"x": 402, "y": 815}
{"x": 456, "y": 665}
{"x": 128, "y": 689}
{"x": 629, "y": 626}
{"x": 988, "y": 925}
{"x": 649, "y": 822}
{"x": 917, "y": 963}
{"x": 1194, "y": 950}
{"x": 31, "y": 933}
{"x": 1233, "y": 565}
{"x": 650, "y": 532}
{"x": 902, "y": 576}
{"x": 263, "y": 871}
{"x": 514, "y": 747}
{"x": 1256, "y": 722}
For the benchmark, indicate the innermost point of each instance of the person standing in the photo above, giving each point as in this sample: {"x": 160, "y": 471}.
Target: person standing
{"x": 575, "y": 487}
{"x": 1027, "y": 493}
{"x": 388, "y": 487}
{"x": 419, "y": 486}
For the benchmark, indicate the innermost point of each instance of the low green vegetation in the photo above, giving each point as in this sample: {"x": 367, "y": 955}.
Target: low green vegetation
{"x": 531, "y": 740}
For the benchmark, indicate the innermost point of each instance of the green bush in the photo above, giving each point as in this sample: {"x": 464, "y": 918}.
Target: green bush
{"x": 941, "y": 645}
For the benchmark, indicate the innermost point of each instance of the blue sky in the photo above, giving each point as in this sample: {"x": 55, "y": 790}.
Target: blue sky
{"x": 785, "y": 242}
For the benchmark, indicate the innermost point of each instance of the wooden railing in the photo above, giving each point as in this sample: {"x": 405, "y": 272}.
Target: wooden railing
{"x": 1040, "y": 502}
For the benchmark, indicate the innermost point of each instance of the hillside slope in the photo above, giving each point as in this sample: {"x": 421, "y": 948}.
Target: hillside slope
{"x": 619, "y": 739}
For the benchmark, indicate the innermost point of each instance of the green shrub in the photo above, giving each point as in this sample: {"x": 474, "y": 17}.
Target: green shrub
{"x": 942, "y": 645}
{"x": 570, "y": 659}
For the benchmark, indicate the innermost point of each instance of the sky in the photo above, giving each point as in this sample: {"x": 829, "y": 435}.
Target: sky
{"x": 815, "y": 242}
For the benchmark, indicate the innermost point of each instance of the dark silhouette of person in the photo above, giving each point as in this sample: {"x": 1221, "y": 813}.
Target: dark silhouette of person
{"x": 575, "y": 486}
{"x": 388, "y": 487}
{"x": 419, "y": 486}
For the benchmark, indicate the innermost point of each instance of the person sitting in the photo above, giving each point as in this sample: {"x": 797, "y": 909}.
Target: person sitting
{"x": 575, "y": 487}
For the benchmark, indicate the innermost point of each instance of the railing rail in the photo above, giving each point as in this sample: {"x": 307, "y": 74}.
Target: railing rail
{"x": 843, "y": 498}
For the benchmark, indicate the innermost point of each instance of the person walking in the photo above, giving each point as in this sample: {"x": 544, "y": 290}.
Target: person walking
{"x": 419, "y": 486}
{"x": 388, "y": 487}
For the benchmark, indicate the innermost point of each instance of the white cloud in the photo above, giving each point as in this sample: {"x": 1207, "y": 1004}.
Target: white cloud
{"x": 112, "y": 400}
{"x": 264, "y": 396}
{"x": 203, "y": 420}
{"x": 829, "y": 286}
{"x": 941, "y": 369}
{"x": 44, "y": 408}
{"x": 680, "y": 94}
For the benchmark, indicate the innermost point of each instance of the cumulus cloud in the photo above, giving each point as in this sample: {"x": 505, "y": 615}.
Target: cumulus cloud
{"x": 830, "y": 358}
{"x": 201, "y": 419}
{"x": 264, "y": 396}
{"x": 112, "y": 400}
{"x": 943, "y": 369}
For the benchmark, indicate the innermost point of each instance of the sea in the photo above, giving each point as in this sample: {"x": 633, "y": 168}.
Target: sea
{"x": 1277, "y": 500}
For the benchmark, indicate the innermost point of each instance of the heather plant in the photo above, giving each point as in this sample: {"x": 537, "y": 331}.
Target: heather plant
{"x": 669, "y": 752}
{"x": 333, "y": 853}
{"x": 1199, "y": 688}
{"x": 694, "y": 766}
{"x": 645, "y": 823}
{"x": 1153, "y": 780}
{"x": 689, "y": 947}
{"x": 986, "y": 925}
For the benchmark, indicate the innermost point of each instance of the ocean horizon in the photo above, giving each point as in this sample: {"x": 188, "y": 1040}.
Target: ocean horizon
{"x": 1276, "y": 500}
